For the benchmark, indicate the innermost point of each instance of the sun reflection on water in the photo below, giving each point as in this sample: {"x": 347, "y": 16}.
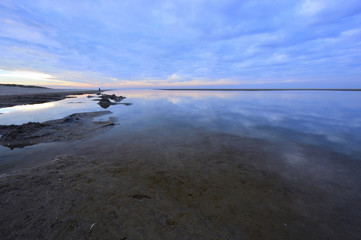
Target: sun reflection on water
{"x": 26, "y": 108}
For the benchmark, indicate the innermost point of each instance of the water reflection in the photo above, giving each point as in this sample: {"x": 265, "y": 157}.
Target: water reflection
{"x": 287, "y": 159}
{"x": 326, "y": 118}
{"x": 25, "y": 108}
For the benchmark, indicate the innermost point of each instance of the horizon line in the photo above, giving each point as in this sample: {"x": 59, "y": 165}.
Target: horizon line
{"x": 259, "y": 89}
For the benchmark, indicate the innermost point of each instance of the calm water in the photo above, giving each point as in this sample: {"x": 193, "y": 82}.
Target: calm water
{"x": 290, "y": 160}
{"x": 328, "y": 119}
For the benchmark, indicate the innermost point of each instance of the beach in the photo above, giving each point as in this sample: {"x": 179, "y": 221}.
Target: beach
{"x": 18, "y": 95}
{"x": 166, "y": 182}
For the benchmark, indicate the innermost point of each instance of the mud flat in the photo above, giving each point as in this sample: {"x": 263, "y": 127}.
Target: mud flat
{"x": 184, "y": 184}
{"x": 73, "y": 127}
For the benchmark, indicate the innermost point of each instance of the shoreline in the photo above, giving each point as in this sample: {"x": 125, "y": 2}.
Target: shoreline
{"x": 73, "y": 127}
{"x": 260, "y": 89}
{"x": 11, "y": 100}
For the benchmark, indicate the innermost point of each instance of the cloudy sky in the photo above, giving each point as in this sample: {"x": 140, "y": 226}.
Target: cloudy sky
{"x": 181, "y": 43}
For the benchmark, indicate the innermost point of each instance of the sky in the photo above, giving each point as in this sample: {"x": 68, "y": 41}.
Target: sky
{"x": 181, "y": 43}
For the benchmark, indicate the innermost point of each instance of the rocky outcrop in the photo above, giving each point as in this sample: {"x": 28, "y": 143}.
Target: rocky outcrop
{"x": 106, "y": 100}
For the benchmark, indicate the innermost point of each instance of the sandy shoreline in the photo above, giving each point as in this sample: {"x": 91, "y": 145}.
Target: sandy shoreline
{"x": 73, "y": 127}
{"x": 12, "y": 96}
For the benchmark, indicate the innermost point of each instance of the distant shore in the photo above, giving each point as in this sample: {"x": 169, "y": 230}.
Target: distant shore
{"x": 19, "y": 85}
{"x": 12, "y": 95}
{"x": 261, "y": 89}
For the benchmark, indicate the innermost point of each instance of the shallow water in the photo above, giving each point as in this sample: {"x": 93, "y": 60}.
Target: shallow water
{"x": 331, "y": 119}
{"x": 280, "y": 163}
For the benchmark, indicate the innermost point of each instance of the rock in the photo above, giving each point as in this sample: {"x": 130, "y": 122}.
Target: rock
{"x": 104, "y": 101}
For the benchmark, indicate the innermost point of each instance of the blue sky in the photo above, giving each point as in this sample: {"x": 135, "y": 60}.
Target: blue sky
{"x": 183, "y": 43}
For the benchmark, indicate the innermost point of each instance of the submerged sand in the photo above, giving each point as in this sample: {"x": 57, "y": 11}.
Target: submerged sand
{"x": 160, "y": 185}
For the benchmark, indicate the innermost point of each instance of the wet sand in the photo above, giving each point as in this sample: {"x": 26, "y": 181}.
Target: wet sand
{"x": 184, "y": 184}
{"x": 71, "y": 128}
{"x": 16, "y": 95}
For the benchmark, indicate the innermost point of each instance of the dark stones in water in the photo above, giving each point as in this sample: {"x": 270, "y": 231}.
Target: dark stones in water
{"x": 105, "y": 102}
{"x": 112, "y": 97}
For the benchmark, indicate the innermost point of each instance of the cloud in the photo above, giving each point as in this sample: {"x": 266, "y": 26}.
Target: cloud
{"x": 143, "y": 83}
{"x": 28, "y": 78}
{"x": 312, "y": 7}
{"x": 174, "y": 77}
{"x": 96, "y": 42}
{"x": 17, "y": 31}
{"x": 25, "y": 75}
